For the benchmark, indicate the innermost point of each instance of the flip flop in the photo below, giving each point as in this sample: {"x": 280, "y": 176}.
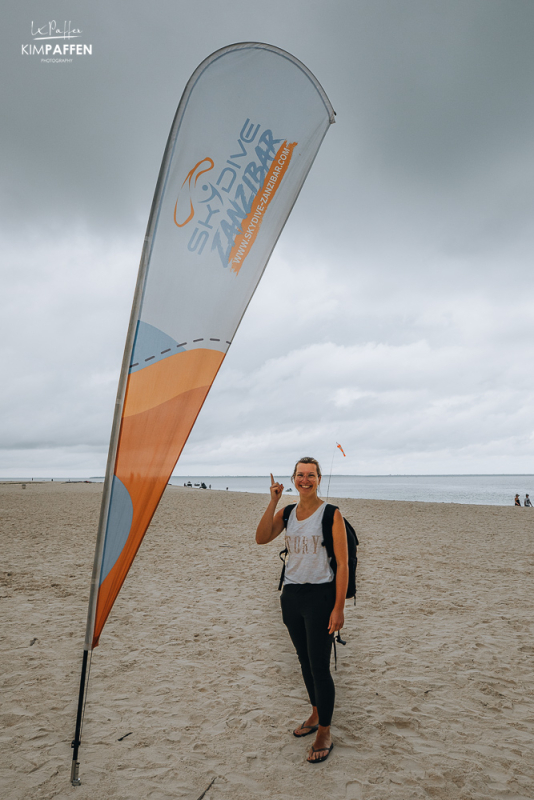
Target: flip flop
{"x": 308, "y": 728}
{"x": 322, "y": 758}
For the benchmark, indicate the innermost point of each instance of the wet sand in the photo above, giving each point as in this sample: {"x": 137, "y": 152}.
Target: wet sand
{"x": 435, "y": 687}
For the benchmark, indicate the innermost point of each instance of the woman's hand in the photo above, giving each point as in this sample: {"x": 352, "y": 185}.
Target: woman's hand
{"x": 276, "y": 489}
{"x": 271, "y": 524}
{"x": 337, "y": 620}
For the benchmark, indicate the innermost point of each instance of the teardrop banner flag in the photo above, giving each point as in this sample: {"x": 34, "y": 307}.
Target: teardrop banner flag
{"x": 246, "y": 132}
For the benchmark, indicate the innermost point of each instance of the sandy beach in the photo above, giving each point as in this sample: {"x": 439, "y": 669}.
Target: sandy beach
{"x": 435, "y": 687}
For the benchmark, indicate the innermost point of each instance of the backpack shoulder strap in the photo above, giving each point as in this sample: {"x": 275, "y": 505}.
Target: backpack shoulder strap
{"x": 328, "y": 522}
{"x": 283, "y": 553}
{"x": 287, "y": 512}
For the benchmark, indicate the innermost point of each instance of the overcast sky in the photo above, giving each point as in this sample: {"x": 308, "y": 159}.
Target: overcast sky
{"x": 395, "y": 315}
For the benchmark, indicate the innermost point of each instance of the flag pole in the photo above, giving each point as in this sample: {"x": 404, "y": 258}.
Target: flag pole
{"x": 330, "y": 476}
{"x": 338, "y": 447}
{"x": 75, "y": 768}
{"x": 112, "y": 453}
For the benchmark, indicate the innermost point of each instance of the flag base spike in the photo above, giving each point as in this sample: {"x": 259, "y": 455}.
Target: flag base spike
{"x": 75, "y": 744}
{"x": 74, "y": 773}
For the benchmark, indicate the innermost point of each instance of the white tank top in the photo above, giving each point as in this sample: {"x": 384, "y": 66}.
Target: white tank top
{"x": 307, "y": 559}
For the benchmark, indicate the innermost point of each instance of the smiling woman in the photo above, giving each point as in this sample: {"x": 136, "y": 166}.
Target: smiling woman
{"x": 313, "y": 598}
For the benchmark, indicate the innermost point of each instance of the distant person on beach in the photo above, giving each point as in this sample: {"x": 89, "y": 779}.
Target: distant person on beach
{"x": 312, "y": 601}
{"x": 527, "y": 501}
{"x": 517, "y": 501}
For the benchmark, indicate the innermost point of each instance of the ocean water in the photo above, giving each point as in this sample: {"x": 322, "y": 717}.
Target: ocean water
{"x": 493, "y": 490}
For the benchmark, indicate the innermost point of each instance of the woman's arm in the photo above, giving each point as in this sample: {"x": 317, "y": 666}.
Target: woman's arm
{"x": 339, "y": 535}
{"x": 271, "y": 524}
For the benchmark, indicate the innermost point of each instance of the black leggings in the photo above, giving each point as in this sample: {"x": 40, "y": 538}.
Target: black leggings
{"x": 306, "y": 610}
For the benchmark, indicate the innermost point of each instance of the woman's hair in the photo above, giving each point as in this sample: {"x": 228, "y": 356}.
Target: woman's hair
{"x": 307, "y": 460}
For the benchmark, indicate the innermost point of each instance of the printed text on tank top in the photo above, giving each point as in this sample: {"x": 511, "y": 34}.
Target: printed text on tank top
{"x": 307, "y": 559}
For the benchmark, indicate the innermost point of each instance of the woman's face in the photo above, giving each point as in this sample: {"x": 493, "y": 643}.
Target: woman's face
{"x": 306, "y": 479}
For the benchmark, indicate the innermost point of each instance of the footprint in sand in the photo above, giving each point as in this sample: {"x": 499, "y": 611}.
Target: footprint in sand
{"x": 353, "y": 790}
{"x": 403, "y": 726}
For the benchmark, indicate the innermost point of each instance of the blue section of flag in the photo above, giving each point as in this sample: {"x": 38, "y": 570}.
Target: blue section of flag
{"x": 119, "y": 524}
{"x": 151, "y": 345}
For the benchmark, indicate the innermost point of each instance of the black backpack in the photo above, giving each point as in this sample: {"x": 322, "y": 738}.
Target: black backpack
{"x": 328, "y": 542}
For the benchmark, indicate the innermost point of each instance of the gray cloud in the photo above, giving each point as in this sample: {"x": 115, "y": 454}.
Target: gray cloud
{"x": 395, "y": 314}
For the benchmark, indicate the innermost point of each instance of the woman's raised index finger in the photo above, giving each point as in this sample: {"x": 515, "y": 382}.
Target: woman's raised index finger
{"x": 272, "y": 479}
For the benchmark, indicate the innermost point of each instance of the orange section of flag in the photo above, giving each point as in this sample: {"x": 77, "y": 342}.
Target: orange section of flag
{"x": 162, "y": 404}
{"x": 168, "y": 378}
{"x": 341, "y": 449}
{"x": 252, "y": 222}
